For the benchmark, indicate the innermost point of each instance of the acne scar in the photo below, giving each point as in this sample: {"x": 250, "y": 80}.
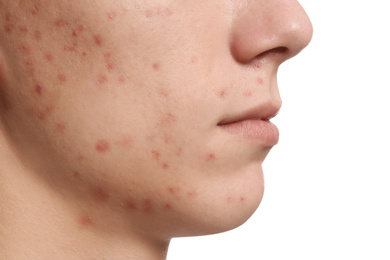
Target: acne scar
{"x": 102, "y": 146}
{"x": 98, "y": 39}
{"x": 62, "y": 78}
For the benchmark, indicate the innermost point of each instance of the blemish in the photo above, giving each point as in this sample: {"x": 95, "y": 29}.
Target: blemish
{"x": 156, "y": 66}
{"x": 99, "y": 195}
{"x": 156, "y": 154}
{"x": 163, "y": 92}
{"x": 85, "y": 221}
{"x": 111, "y": 15}
{"x": 62, "y": 78}
{"x": 210, "y": 157}
{"x": 98, "y": 39}
{"x": 38, "y": 89}
{"x": 76, "y": 174}
{"x": 102, "y": 146}
{"x": 125, "y": 141}
{"x": 23, "y": 29}
{"x": 48, "y": 56}
{"x": 84, "y": 54}
{"x": 192, "y": 193}
{"x": 60, "y": 23}
{"x": 147, "y": 206}
{"x": 108, "y": 61}
{"x": 259, "y": 81}
{"x": 248, "y": 93}
{"x": 256, "y": 65}
{"x": 26, "y": 49}
{"x": 167, "y": 206}
{"x": 242, "y": 199}
{"x": 80, "y": 158}
{"x": 37, "y": 35}
{"x": 71, "y": 48}
{"x": 169, "y": 118}
{"x": 172, "y": 190}
{"x": 130, "y": 205}
{"x": 194, "y": 60}
{"x": 61, "y": 127}
{"x": 34, "y": 11}
{"x": 165, "y": 166}
{"x": 8, "y": 28}
{"x": 179, "y": 151}
{"x": 122, "y": 80}
{"x": 222, "y": 93}
{"x": 102, "y": 79}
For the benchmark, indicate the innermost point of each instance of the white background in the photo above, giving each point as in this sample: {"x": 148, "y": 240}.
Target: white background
{"x": 327, "y": 181}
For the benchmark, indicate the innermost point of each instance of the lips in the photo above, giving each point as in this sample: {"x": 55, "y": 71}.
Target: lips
{"x": 254, "y": 124}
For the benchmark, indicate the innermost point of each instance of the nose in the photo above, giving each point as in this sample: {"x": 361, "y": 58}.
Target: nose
{"x": 264, "y": 27}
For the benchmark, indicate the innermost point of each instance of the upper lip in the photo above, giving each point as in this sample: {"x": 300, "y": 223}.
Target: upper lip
{"x": 264, "y": 111}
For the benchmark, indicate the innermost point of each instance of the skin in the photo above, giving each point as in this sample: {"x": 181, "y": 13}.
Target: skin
{"x": 109, "y": 112}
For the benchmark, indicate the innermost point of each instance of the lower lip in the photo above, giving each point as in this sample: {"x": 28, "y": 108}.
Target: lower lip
{"x": 260, "y": 130}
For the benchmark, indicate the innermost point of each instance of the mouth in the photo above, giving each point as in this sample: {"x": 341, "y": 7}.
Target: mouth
{"x": 254, "y": 124}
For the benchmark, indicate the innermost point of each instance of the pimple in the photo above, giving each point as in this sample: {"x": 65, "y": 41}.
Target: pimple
{"x": 111, "y": 15}
{"x": 210, "y": 157}
{"x": 85, "y": 221}
{"x": 192, "y": 193}
{"x": 102, "y": 79}
{"x": 102, "y": 146}
{"x": 98, "y": 39}
{"x": 156, "y": 154}
{"x": 222, "y": 93}
{"x": 23, "y": 29}
{"x": 130, "y": 205}
{"x": 26, "y": 49}
{"x": 37, "y": 35}
{"x": 99, "y": 195}
{"x": 71, "y": 48}
{"x": 108, "y": 61}
{"x": 122, "y": 80}
{"x": 147, "y": 206}
{"x": 248, "y": 93}
{"x": 76, "y": 174}
{"x": 172, "y": 190}
{"x": 256, "y": 65}
{"x": 194, "y": 60}
{"x": 259, "y": 80}
{"x": 156, "y": 66}
{"x": 48, "y": 56}
{"x": 61, "y": 127}
{"x": 38, "y": 89}
{"x": 62, "y": 78}
{"x": 165, "y": 166}
{"x": 163, "y": 92}
{"x": 167, "y": 206}
{"x": 242, "y": 199}
{"x": 8, "y": 28}
{"x": 179, "y": 151}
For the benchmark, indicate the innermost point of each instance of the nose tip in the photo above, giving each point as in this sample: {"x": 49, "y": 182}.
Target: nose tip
{"x": 279, "y": 26}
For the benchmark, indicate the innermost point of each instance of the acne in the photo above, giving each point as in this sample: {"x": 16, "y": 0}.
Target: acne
{"x": 26, "y": 49}
{"x": 108, "y": 62}
{"x": 85, "y": 221}
{"x": 130, "y": 205}
{"x": 242, "y": 199}
{"x": 38, "y": 89}
{"x": 101, "y": 79}
{"x": 222, "y": 93}
{"x": 111, "y": 15}
{"x": 71, "y": 48}
{"x": 98, "y": 40}
{"x": 172, "y": 190}
{"x": 147, "y": 206}
{"x": 37, "y": 35}
{"x": 163, "y": 93}
{"x": 80, "y": 158}
{"x": 179, "y": 151}
{"x": 102, "y": 146}
{"x": 8, "y": 28}
{"x": 99, "y": 195}
{"x": 126, "y": 141}
{"x": 156, "y": 66}
{"x": 156, "y": 155}
{"x": 167, "y": 120}
{"x": 76, "y": 174}
{"x": 259, "y": 81}
{"x": 42, "y": 115}
{"x": 61, "y": 127}
{"x": 23, "y": 29}
{"x": 165, "y": 166}
{"x": 60, "y": 23}
{"x": 192, "y": 193}
{"x": 48, "y": 57}
{"x": 248, "y": 93}
{"x": 167, "y": 206}
{"x": 210, "y": 157}
{"x": 62, "y": 78}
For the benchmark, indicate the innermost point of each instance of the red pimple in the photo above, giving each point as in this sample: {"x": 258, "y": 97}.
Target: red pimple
{"x": 71, "y": 48}
{"x": 156, "y": 154}
{"x": 48, "y": 56}
{"x": 210, "y": 157}
{"x": 222, "y": 93}
{"x": 37, "y": 35}
{"x": 99, "y": 195}
{"x": 7, "y": 17}
{"x": 156, "y": 66}
{"x": 23, "y": 29}
{"x": 194, "y": 60}
{"x": 76, "y": 174}
{"x": 102, "y": 146}
{"x": 61, "y": 127}
{"x": 130, "y": 205}
{"x": 242, "y": 199}
{"x": 167, "y": 206}
{"x": 102, "y": 79}
{"x": 34, "y": 11}
{"x": 165, "y": 166}
{"x": 8, "y": 28}
{"x": 80, "y": 28}
{"x": 172, "y": 190}
{"x": 38, "y": 89}
{"x": 98, "y": 39}
{"x": 85, "y": 221}
{"x": 259, "y": 81}
{"x": 62, "y": 78}
{"x": 147, "y": 206}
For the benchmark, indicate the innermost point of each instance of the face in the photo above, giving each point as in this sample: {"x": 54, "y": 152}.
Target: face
{"x": 148, "y": 112}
